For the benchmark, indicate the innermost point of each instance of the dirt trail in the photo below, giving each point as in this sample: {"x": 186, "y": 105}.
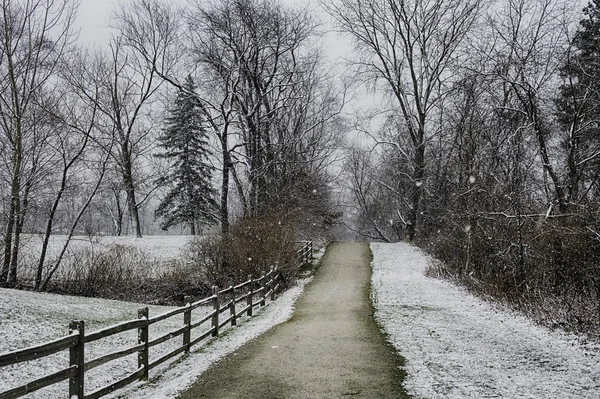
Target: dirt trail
{"x": 330, "y": 348}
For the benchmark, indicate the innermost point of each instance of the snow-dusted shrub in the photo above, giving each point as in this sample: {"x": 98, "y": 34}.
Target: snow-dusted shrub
{"x": 253, "y": 246}
{"x": 548, "y": 268}
{"x": 127, "y": 273}
{"x": 110, "y": 273}
{"x": 174, "y": 283}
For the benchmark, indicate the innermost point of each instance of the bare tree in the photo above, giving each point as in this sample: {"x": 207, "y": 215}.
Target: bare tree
{"x": 126, "y": 85}
{"x": 75, "y": 148}
{"x": 530, "y": 37}
{"x": 35, "y": 35}
{"x": 410, "y": 46}
{"x": 272, "y": 94}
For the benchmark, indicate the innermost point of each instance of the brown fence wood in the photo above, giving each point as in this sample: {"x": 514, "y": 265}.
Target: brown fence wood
{"x": 168, "y": 336}
{"x": 166, "y": 357}
{"x": 241, "y": 298}
{"x": 38, "y": 351}
{"x": 202, "y": 336}
{"x": 113, "y": 356}
{"x": 224, "y": 322}
{"x": 116, "y": 329}
{"x": 39, "y": 383}
{"x": 77, "y": 359}
{"x": 115, "y": 385}
{"x": 203, "y": 320}
{"x": 166, "y": 315}
{"x": 143, "y": 338}
{"x": 232, "y": 308}
{"x": 215, "y": 317}
{"x": 244, "y": 310}
{"x": 187, "y": 320}
{"x": 243, "y": 285}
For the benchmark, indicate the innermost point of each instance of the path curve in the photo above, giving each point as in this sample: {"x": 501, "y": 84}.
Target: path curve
{"x": 330, "y": 348}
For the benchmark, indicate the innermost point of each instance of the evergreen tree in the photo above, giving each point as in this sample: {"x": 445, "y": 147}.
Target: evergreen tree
{"x": 190, "y": 197}
{"x": 579, "y": 103}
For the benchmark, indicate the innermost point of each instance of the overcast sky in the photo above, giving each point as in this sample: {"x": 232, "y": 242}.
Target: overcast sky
{"x": 93, "y": 21}
{"x": 93, "y": 16}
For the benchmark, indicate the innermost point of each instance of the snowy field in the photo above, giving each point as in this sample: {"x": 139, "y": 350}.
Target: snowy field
{"x": 156, "y": 249}
{"x": 162, "y": 248}
{"x": 458, "y": 346}
{"x": 29, "y": 318}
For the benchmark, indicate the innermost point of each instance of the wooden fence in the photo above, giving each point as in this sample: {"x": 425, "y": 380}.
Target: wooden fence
{"x": 249, "y": 294}
{"x": 305, "y": 252}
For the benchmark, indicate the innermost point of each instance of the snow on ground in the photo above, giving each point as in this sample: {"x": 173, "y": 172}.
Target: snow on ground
{"x": 30, "y": 318}
{"x": 156, "y": 249}
{"x": 458, "y": 346}
{"x": 179, "y": 377}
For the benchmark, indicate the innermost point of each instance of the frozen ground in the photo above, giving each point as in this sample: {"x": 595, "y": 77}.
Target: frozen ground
{"x": 30, "y": 318}
{"x": 156, "y": 249}
{"x": 458, "y": 346}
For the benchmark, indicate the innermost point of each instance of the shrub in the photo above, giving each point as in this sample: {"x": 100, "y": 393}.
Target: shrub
{"x": 126, "y": 273}
{"x": 110, "y": 273}
{"x": 253, "y": 246}
{"x": 546, "y": 268}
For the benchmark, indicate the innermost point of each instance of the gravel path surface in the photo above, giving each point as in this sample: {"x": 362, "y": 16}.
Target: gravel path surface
{"x": 330, "y": 348}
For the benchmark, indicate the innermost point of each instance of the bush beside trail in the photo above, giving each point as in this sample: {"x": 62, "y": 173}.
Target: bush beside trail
{"x": 547, "y": 269}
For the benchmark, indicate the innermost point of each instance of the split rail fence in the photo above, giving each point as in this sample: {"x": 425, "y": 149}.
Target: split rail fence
{"x": 250, "y": 294}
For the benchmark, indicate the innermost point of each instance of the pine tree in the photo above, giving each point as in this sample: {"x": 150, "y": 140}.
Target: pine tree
{"x": 190, "y": 197}
{"x": 578, "y": 102}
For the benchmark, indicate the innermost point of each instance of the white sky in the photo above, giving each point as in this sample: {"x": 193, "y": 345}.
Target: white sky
{"x": 93, "y": 21}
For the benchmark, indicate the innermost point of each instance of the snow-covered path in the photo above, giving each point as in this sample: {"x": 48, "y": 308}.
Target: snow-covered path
{"x": 458, "y": 346}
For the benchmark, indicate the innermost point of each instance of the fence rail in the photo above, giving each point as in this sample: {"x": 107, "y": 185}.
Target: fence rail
{"x": 254, "y": 292}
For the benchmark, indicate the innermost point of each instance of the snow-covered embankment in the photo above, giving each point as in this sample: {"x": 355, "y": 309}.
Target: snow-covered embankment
{"x": 458, "y": 346}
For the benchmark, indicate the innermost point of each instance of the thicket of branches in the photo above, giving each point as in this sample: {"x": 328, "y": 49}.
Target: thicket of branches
{"x": 489, "y": 157}
{"x": 79, "y": 125}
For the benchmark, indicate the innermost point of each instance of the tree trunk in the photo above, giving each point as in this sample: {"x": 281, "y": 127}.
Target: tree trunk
{"x": 418, "y": 183}
{"x": 48, "y": 233}
{"x": 13, "y": 210}
{"x": 130, "y": 191}
{"x": 224, "y": 208}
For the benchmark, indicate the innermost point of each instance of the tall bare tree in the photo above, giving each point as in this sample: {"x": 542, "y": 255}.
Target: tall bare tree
{"x": 34, "y": 37}
{"x": 410, "y": 47}
{"x": 529, "y": 40}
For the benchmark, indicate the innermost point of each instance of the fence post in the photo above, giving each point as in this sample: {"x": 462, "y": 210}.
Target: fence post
{"x": 232, "y": 307}
{"x": 77, "y": 359}
{"x": 250, "y": 294}
{"x": 263, "y": 285}
{"x": 215, "y": 318}
{"x": 273, "y": 282}
{"x": 187, "y": 320}
{"x": 143, "y": 339}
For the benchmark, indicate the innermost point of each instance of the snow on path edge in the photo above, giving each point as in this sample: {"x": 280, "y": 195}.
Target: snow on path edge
{"x": 458, "y": 346}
